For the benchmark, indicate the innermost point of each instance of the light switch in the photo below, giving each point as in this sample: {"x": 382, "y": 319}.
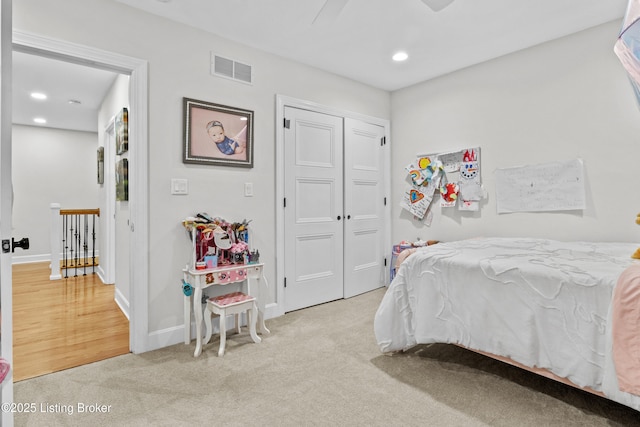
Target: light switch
{"x": 248, "y": 189}
{"x": 179, "y": 186}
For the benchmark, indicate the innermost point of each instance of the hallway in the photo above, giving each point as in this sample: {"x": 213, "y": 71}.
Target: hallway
{"x": 63, "y": 323}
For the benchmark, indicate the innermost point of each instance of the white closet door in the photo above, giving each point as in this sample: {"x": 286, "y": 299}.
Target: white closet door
{"x": 313, "y": 144}
{"x": 364, "y": 200}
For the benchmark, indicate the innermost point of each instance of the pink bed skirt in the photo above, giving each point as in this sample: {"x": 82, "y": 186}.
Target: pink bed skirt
{"x": 539, "y": 371}
{"x": 625, "y": 324}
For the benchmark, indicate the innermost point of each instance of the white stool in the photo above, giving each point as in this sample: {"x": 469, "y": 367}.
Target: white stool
{"x": 233, "y": 303}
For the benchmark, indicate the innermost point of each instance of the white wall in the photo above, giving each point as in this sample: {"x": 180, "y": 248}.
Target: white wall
{"x": 49, "y": 166}
{"x": 562, "y": 100}
{"x": 179, "y": 59}
{"x": 115, "y": 100}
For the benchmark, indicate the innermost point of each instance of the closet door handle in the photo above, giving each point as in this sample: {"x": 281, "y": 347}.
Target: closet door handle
{"x": 348, "y": 216}
{"x": 339, "y": 217}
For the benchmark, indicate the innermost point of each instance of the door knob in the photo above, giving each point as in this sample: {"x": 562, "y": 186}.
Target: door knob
{"x": 339, "y": 217}
{"x": 22, "y": 243}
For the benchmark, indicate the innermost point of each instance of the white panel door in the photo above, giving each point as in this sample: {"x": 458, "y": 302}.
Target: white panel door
{"x": 364, "y": 199}
{"x": 313, "y": 145}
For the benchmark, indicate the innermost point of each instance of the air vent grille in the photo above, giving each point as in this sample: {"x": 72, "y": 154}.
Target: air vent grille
{"x": 225, "y": 67}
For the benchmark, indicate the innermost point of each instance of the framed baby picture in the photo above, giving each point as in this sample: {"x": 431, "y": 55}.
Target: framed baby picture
{"x": 217, "y": 134}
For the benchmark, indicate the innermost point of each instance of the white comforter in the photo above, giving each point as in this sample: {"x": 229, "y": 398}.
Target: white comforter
{"x": 539, "y": 302}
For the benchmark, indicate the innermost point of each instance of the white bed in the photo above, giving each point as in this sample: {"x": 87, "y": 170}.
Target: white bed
{"x": 541, "y": 304}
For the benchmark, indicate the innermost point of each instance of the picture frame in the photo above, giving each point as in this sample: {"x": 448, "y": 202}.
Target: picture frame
{"x": 216, "y": 134}
{"x": 122, "y": 131}
{"x": 122, "y": 180}
{"x": 100, "y": 165}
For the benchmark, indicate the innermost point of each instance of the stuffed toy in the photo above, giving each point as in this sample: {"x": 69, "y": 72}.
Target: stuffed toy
{"x": 636, "y": 254}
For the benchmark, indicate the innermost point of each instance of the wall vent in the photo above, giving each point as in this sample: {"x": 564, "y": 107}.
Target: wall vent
{"x": 228, "y": 68}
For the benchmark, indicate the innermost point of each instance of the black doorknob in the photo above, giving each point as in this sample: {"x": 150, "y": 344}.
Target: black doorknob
{"x": 22, "y": 243}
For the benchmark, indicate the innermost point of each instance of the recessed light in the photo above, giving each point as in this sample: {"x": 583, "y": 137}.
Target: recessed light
{"x": 38, "y": 95}
{"x": 40, "y": 120}
{"x": 400, "y": 56}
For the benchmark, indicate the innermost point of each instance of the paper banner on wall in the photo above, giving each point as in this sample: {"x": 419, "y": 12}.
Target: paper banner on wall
{"x": 557, "y": 186}
{"x": 463, "y": 188}
{"x": 424, "y": 170}
{"x": 417, "y": 200}
{"x": 470, "y": 206}
{"x": 471, "y": 191}
{"x": 452, "y": 160}
{"x": 464, "y": 166}
{"x": 449, "y": 193}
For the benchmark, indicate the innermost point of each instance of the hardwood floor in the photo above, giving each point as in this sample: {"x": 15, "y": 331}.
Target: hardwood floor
{"x": 64, "y": 323}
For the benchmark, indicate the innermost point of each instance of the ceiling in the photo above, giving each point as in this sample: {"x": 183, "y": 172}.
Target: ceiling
{"x": 351, "y": 38}
{"x": 359, "y": 40}
{"x": 74, "y": 92}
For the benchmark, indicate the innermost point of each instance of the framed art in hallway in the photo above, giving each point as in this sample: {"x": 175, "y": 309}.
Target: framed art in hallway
{"x": 122, "y": 131}
{"x": 217, "y": 134}
{"x": 100, "y": 165}
{"x": 122, "y": 180}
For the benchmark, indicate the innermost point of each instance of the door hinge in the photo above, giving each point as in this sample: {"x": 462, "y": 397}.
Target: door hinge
{"x": 285, "y": 282}
{"x": 385, "y": 201}
{"x": 284, "y": 203}
{"x": 287, "y": 124}
{"x": 383, "y": 141}
{"x": 385, "y": 261}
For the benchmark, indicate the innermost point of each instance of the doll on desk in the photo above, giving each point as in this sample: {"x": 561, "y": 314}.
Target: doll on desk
{"x": 219, "y": 243}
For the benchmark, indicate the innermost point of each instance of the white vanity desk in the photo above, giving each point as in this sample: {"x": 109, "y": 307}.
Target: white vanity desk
{"x": 251, "y": 274}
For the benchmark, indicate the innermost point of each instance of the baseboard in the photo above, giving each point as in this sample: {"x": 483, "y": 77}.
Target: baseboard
{"x": 175, "y": 334}
{"x": 101, "y": 274}
{"x": 123, "y": 303}
{"x": 27, "y": 259}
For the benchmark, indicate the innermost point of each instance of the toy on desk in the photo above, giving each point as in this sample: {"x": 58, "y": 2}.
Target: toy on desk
{"x": 204, "y": 238}
{"x": 241, "y": 230}
{"x": 223, "y": 242}
{"x": 205, "y": 216}
{"x": 238, "y": 251}
{"x": 217, "y": 242}
{"x": 254, "y": 257}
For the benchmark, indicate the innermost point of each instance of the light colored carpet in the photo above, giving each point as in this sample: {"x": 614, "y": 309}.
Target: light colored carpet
{"x": 320, "y": 366}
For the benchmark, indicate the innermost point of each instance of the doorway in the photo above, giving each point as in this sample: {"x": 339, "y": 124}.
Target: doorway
{"x": 137, "y": 70}
{"x": 55, "y": 163}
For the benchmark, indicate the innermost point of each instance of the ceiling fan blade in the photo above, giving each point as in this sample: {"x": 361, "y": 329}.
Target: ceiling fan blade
{"x": 437, "y": 5}
{"x": 329, "y": 11}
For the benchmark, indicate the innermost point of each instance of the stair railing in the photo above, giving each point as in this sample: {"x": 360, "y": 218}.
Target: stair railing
{"x": 73, "y": 241}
